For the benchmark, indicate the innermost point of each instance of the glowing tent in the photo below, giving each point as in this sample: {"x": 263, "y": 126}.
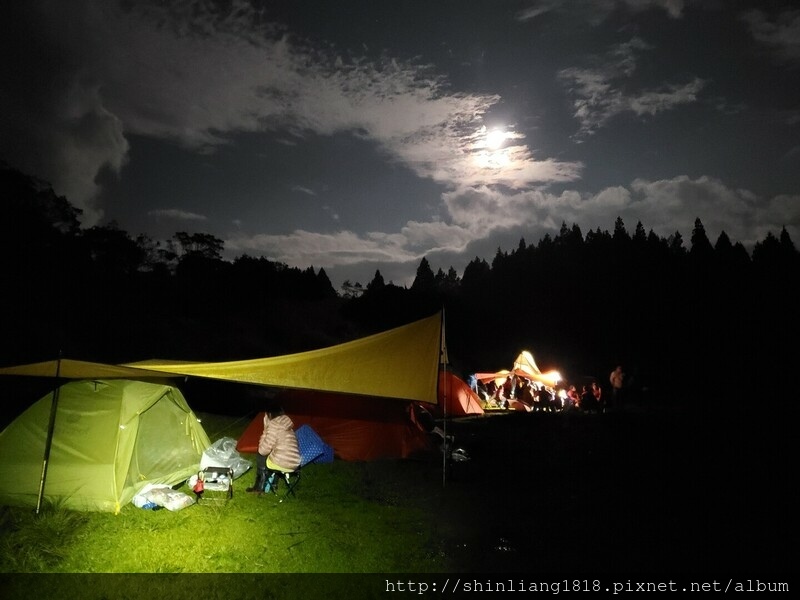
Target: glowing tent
{"x": 112, "y": 438}
{"x": 524, "y": 366}
{"x": 399, "y": 364}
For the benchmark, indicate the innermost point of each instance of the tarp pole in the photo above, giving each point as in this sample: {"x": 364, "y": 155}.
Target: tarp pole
{"x": 444, "y": 361}
{"x": 446, "y": 451}
{"x": 49, "y": 440}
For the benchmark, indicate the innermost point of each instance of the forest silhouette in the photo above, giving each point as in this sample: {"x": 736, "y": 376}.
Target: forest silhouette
{"x": 689, "y": 321}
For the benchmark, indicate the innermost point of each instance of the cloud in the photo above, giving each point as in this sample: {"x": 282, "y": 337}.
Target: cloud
{"x": 331, "y": 212}
{"x": 303, "y": 190}
{"x": 197, "y": 74}
{"x": 671, "y": 205}
{"x": 781, "y": 33}
{"x": 176, "y": 214}
{"x": 490, "y": 218}
{"x": 537, "y": 9}
{"x": 599, "y": 96}
{"x": 674, "y": 8}
{"x": 597, "y": 11}
{"x": 303, "y": 248}
{"x": 54, "y": 122}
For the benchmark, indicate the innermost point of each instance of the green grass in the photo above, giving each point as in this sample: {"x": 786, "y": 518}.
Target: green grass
{"x": 345, "y": 518}
{"x": 645, "y": 490}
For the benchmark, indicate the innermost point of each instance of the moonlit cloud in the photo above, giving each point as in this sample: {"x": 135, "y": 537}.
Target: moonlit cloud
{"x": 599, "y": 94}
{"x": 674, "y": 8}
{"x": 175, "y": 214}
{"x": 665, "y": 206}
{"x": 598, "y": 10}
{"x": 303, "y": 190}
{"x": 232, "y": 83}
{"x": 781, "y": 32}
{"x": 670, "y": 205}
{"x": 187, "y": 73}
{"x": 538, "y": 9}
{"x": 303, "y": 248}
{"x": 192, "y": 78}
{"x": 330, "y": 211}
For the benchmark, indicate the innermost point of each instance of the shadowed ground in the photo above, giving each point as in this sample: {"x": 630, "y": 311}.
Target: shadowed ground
{"x": 638, "y": 491}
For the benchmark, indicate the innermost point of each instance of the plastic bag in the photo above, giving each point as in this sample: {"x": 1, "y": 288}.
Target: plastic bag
{"x": 223, "y": 453}
{"x": 170, "y": 499}
{"x": 154, "y": 495}
{"x": 142, "y": 499}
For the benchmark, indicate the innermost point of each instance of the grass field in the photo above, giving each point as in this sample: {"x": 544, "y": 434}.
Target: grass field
{"x": 342, "y": 519}
{"x": 639, "y": 491}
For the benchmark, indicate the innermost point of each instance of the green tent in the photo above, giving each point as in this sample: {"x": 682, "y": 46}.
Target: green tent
{"x": 109, "y": 439}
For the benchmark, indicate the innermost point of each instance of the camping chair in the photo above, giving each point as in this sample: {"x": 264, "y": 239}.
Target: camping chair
{"x": 312, "y": 449}
{"x": 291, "y": 479}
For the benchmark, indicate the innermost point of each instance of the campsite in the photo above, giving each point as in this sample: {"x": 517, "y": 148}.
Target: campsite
{"x": 654, "y": 487}
{"x": 542, "y": 496}
{"x": 692, "y": 475}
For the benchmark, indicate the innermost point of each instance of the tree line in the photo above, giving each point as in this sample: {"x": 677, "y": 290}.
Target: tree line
{"x": 692, "y": 319}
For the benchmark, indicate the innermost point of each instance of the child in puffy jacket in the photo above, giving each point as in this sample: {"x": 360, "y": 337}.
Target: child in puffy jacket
{"x": 278, "y": 450}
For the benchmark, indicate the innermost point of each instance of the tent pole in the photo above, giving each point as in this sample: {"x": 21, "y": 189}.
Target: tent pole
{"x": 49, "y": 440}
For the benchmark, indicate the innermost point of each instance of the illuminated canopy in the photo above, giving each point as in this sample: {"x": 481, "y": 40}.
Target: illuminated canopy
{"x": 402, "y": 363}
{"x": 524, "y": 366}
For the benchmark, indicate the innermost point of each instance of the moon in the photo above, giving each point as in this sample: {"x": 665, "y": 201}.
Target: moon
{"x": 495, "y": 138}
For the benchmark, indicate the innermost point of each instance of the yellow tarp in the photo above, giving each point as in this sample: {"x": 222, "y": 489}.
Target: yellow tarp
{"x": 400, "y": 363}
{"x": 67, "y": 368}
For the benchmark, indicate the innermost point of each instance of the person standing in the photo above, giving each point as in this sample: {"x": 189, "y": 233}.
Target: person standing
{"x": 617, "y": 380}
{"x": 597, "y": 392}
{"x": 472, "y": 380}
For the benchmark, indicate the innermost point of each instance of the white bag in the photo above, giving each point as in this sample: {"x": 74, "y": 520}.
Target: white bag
{"x": 223, "y": 453}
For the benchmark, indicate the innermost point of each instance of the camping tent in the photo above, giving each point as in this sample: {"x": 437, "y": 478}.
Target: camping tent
{"x": 456, "y": 398}
{"x": 366, "y": 428}
{"x": 399, "y": 364}
{"x": 524, "y": 366}
{"x": 356, "y": 427}
{"x": 110, "y": 439}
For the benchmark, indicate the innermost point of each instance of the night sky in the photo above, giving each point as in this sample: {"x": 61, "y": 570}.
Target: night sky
{"x": 364, "y": 135}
